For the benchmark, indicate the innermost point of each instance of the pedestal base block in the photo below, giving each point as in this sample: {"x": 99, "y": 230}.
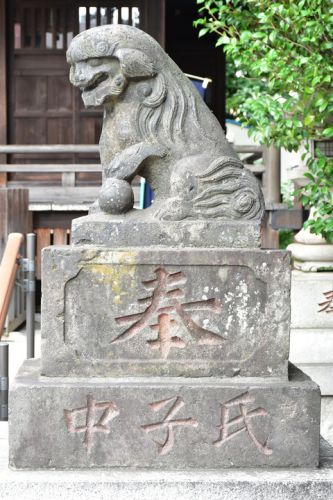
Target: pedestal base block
{"x": 141, "y": 231}
{"x": 162, "y": 423}
{"x": 173, "y": 312}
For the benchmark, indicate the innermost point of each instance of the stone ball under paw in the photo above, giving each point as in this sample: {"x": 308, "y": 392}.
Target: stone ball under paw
{"x": 116, "y": 196}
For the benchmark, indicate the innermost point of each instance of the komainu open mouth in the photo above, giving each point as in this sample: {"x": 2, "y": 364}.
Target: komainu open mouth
{"x": 101, "y": 77}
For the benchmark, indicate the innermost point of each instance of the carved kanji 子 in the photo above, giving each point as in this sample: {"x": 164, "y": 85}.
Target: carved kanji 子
{"x": 110, "y": 411}
{"x": 165, "y": 300}
{"x": 168, "y": 423}
{"x": 241, "y": 422}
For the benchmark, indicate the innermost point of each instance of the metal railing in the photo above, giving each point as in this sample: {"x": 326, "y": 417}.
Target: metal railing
{"x": 8, "y": 270}
{"x": 10, "y": 263}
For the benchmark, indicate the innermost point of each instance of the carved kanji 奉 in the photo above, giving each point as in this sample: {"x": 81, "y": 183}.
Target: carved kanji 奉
{"x": 165, "y": 288}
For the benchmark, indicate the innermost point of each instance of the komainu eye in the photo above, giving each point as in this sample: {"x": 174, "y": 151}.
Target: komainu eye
{"x": 119, "y": 80}
{"x": 95, "y": 61}
{"x": 144, "y": 90}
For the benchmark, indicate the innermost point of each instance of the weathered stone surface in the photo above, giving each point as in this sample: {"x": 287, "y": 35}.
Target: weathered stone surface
{"x": 311, "y": 349}
{"x": 137, "y": 484}
{"x": 326, "y": 418}
{"x": 156, "y": 422}
{"x": 116, "y": 231}
{"x": 312, "y": 300}
{"x": 156, "y": 125}
{"x": 311, "y": 336}
{"x": 165, "y": 312}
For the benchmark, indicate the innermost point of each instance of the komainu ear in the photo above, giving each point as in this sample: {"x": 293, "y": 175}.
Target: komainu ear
{"x": 135, "y": 64}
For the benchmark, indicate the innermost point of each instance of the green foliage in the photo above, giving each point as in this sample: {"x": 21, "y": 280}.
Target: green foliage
{"x": 281, "y": 58}
{"x": 287, "y": 193}
{"x": 318, "y": 193}
{"x": 286, "y": 237}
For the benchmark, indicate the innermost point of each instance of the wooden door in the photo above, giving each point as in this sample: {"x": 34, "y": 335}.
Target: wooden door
{"x": 44, "y": 108}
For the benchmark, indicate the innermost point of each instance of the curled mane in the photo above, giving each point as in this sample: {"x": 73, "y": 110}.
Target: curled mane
{"x": 162, "y": 115}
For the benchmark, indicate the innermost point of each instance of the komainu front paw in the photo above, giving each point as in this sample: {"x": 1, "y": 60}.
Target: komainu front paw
{"x": 173, "y": 209}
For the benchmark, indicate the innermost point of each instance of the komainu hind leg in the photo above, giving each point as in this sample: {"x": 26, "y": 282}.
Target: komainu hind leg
{"x": 225, "y": 190}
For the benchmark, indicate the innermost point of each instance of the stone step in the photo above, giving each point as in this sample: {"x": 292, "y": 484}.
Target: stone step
{"x": 241, "y": 484}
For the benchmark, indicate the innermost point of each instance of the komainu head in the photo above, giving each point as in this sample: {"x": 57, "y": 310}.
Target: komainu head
{"x": 103, "y": 61}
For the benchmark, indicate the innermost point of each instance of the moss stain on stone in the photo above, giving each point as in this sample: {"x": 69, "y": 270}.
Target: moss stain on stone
{"x": 120, "y": 275}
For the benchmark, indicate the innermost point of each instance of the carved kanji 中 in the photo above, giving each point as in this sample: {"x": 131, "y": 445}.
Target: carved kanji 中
{"x": 168, "y": 423}
{"x": 241, "y": 422}
{"x": 166, "y": 288}
{"x": 91, "y": 426}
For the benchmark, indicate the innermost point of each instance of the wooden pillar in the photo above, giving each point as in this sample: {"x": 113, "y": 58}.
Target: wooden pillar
{"x": 3, "y": 87}
{"x": 271, "y": 181}
{"x": 14, "y": 214}
{"x": 271, "y": 157}
{"x": 155, "y": 20}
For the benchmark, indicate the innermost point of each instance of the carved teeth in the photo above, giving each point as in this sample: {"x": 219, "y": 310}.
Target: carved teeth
{"x": 95, "y": 82}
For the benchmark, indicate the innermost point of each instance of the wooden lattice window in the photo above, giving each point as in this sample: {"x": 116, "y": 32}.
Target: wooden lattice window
{"x": 54, "y": 27}
{"x": 96, "y": 16}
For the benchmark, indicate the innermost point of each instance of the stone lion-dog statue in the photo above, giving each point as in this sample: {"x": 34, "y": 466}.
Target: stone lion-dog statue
{"x": 157, "y": 125}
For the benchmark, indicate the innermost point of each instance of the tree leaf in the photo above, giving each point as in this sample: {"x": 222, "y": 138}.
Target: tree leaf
{"x": 328, "y": 132}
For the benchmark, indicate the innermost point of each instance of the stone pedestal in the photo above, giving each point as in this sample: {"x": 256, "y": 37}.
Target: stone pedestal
{"x": 311, "y": 341}
{"x": 138, "y": 230}
{"x": 311, "y": 252}
{"x": 163, "y": 422}
{"x": 159, "y": 311}
{"x": 164, "y": 358}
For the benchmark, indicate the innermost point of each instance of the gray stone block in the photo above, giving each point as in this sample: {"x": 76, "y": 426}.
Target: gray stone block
{"x": 165, "y": 312}
{"x": 162, "y": 423}
{"x": 326, "y": 420}
{"x": 142, "y": 231}
{"x": 138, "y": 484}
{"x": 312, "y": 300}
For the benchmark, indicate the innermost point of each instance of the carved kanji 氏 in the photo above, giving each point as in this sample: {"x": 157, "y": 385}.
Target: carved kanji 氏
{"x": 242, "y": 422}
{"x": 91, "y": 426}
{"x": 166, "y": 288}
{"x": 168, "y": 423}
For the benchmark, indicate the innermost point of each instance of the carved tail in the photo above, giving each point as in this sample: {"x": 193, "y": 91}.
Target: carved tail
{"x": 229, "y": 191}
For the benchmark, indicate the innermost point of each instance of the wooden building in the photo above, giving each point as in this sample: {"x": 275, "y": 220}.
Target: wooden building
{"x": 49, "y": 161}
{"x": 37, "y": 103}
{"x": 40, "y": 109}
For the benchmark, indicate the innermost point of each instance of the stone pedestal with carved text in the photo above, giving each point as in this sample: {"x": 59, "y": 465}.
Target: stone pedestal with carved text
{"x": 165, "y": 332}
{"x": 164, "y": 358}
{"x": 163, "y": 422}
{"x": 175, "y": 312}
